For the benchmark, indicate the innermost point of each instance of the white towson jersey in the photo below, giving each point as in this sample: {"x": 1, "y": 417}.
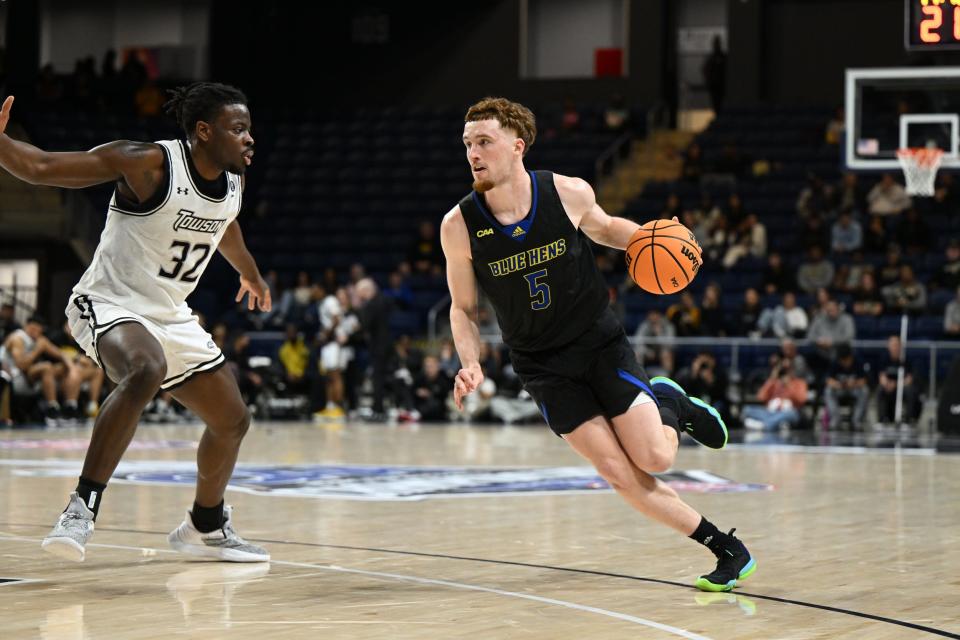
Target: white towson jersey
{"x": 151, "y": 256}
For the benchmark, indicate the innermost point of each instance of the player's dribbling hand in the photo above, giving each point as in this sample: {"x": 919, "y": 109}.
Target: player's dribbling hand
{"x": 5, "y": 113}
{"x": 467, "y": 380}
{"x": 259, "y": 293}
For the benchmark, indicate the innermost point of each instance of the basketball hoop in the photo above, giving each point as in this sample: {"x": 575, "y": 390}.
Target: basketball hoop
{"x": 920, "y": 166}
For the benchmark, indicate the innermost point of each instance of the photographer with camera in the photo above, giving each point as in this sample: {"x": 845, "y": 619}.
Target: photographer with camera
{"x": 783, "y": 394}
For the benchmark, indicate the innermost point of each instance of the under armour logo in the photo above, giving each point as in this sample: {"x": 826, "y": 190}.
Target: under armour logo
{"x": 183, "y": 190}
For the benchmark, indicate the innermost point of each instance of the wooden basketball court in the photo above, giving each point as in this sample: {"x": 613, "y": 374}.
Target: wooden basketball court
{"x": 859, "y": 544}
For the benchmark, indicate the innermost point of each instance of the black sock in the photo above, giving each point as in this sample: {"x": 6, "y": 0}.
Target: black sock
{"x": 90, "y": 492}
{"x": 207, "y": 519}
{"x": 669, "y": 417}
{"x": 708, "y": 535}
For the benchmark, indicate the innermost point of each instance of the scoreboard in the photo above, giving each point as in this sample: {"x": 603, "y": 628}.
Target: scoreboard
{"x": 931, "y": 24}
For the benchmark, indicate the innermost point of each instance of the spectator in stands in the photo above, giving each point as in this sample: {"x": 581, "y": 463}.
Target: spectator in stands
{"x": 888, "y": 198}
{"x": 945, "y": 195}
{"x": 672, "y": 207}
{"x": 716, "y": 241}
{"x": 735, "y": 212}
{"x": 745, "y": 322}
{"x": 430, "y": 391}
{"x": 913, "y": 234}
{"x": 684, "y": 315}
{"x": 406, "y": 363}
{"x": 951, "y": 317}
{"x": 777, "y": 278}
{"x": 830, "y": 328}
{"x": 332, "y": 360}
{"x": 834, "y": 131}
{"x": 783, "y": 394}
{"x": 374, "y": 313}
{"x": 274, "y": 317}
{"x": 570, "y": 118}
{"x": 250, "y": 381}
{"x": 750, "y": 239}
{"x": 867, "y": 300}
{"x": 693, "y": 163}
{"x": 813, "y": 198}
{"x": 887, "y": 386}
{"x": 449, "y": 359}
{"x": 815, "y": 272}
{"x": 658, "y": 357}
{"x": 849, "y": 195}
{"x": 849, "y": 274}
{"x": 8, "y": 323}
{"x": 706, "y": 380}
{"x": 846, "y": 234}
{"x": 705, "y": 211}
{"x": 789, "y": 353}
{"x": 814, "y": 233}
{"x": 425, "y": 255}
{"x": 846, "y": 379}
{"x": 149, "y": 100}
{"x": 300, "y": 298}
{"x": 785, "y": 320}
{"x": 616, "y": 116}
{"x": 948, "y": 274}
{"x": 714, "y": 72}
{"x": 399, "y": 291}
{"x": 890, "y": 269}
{"x": 294, "y": 356}
{"x": 87, "y": 371}
{"x": 908, "y": 295}
{"x": 875, "y": 238}
{"x": 712, "y": 322}
{"x": 35, "y": 365}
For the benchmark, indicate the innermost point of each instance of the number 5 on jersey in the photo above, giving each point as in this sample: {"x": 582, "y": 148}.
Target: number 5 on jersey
{"x": 185, "y": 250}
{"x": 540, "y": 291}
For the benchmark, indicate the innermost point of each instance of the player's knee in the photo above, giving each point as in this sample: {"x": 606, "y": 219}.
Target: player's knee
{"x": 147, "y": 373}
{"x": 242, "y": 425}
{"x": 656, "y": 462}
{"x": 617, "y": 472}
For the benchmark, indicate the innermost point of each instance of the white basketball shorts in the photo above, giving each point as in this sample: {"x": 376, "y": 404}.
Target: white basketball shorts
{"x": 187, "y": 347}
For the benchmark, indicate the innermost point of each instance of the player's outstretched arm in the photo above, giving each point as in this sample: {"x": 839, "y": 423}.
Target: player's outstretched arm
{"x": 234, "y": 249}
{"x": 581, "y": 205}
{"x": 139, "y": 164}
{"x": 463, "y": 303}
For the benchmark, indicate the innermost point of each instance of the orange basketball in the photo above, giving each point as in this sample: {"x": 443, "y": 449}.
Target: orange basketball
{"x": 663, "y": 257}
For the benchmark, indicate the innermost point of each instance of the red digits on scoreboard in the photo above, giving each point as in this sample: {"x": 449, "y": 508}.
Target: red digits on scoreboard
{"x": 928, "y": 28}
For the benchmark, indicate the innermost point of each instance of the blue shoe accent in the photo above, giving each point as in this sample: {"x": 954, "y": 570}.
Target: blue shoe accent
{"x": 700, "y": 420}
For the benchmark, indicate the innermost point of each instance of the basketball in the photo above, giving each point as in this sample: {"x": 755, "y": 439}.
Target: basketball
{"x": 663, "y": 257}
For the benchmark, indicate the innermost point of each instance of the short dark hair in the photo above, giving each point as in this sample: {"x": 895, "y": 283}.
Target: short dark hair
{"x": 510, "y": 115}
{"x": 37, "y": 319}
{"x": 201, "y": 101}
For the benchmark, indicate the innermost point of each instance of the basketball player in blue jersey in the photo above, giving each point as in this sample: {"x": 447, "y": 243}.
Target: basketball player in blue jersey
{"x": 174, "y": 204}
{"x": 520, "y": 237}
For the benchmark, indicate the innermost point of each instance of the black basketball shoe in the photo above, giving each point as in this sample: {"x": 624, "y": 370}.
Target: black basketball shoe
{"x": 697, "y": 418}
{"x": 734, "y": 563}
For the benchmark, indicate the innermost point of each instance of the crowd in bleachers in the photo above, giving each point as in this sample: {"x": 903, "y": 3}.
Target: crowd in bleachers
{"x": 342, "y": 211}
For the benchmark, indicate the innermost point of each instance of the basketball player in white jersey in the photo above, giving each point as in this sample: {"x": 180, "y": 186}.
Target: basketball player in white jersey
{"x": 174, "y": 204}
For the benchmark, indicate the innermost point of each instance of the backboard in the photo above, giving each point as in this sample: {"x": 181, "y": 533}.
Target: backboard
{"x": 892, "y": 108}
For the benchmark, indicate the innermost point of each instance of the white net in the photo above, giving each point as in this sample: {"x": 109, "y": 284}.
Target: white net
{"x": 920, "y": 169}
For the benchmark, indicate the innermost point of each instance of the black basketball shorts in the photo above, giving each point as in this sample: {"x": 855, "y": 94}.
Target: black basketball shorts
{"x": 596, "y": 374}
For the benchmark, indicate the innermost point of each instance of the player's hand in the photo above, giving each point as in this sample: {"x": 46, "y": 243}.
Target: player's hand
{"x": 259, "y": 293}
{"x": 5, "y": 113}
{"x": 467, "y": 380}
